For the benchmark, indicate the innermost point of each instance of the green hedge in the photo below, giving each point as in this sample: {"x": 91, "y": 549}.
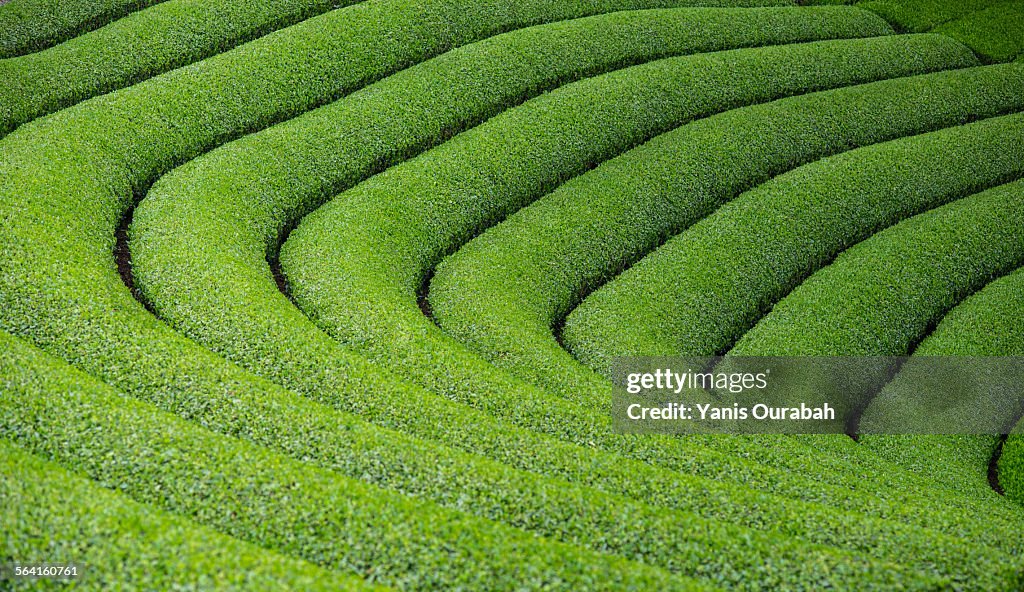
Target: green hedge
{"x": 995, "y": 313}
{"x": 219, "y": 195}
{"x": 348, "y": 253}
{"x": 175, "y": 232}
{"x": 1011, "y": 465}
{"x": 740, "y": 260}
{"x": 90, "y": 159}
{"x": 734, "y": 556}
{"x": 552, "y": 250}
{"x": 61, "y": 289}
{"x": 994, "y": 29}
{"x": 559, "y": 249}
{"x": 750, "y": 252}
{"x": 166, "y": 36}
{"x": 996, "y": 34}
{"x": 59, "y": 285}
{"x": 248, "y": 492}
{"x": 919, "y": 16}
{"x": 52, "y": 516}
{"x": 176, "y": 249}
{"x": 405, "y": 219}
{"x": 279, "y": 503}
{"x": 881, "y": 296}
{"x": 32, "y": 25}
{"x": 988, "y": 323}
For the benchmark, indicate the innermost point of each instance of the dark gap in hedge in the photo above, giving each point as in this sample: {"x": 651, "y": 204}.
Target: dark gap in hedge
{"x": 993, "y": 467}
{"x": 274, "y": 261}
{"x": 423, "y": 296}
{"x": 123, "y": 255}
{"x": 853, "y": 419}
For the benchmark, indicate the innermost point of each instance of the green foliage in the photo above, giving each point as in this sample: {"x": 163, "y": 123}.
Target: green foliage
{"x": 920, "y": 16}
{"x": 363, "y": 256}
{"x": 184, "y": 270}
{"x": 881, "y": 296}
{"x": 166, "y": 36}
{"x": 988, "y": 323}
{"x": 32, "y": 25}
{"x": 267, "y": 499}
{"x": 83, "y": 312}
{"x": 175, "y": 231}
{"x": 576, "y": 238}
{"x": 704, "y": 288}
{"x": 1011, "y": 465}
{"x": 996, "y": 34}
{"x": 607, "y": 216}
{"x": 489, "y": 483}
{"x": 994, "y": 29}
{"x": 120, "y": 544}
{"x": 985, "y": 324}
{"x": 919, "y": 269}
{"x": 737, "y": 262}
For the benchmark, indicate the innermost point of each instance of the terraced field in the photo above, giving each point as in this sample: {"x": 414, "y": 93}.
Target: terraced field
{"x": 302, "y": 294}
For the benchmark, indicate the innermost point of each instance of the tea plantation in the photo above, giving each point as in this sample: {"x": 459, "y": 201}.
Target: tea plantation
{"x": 327, "y": 295}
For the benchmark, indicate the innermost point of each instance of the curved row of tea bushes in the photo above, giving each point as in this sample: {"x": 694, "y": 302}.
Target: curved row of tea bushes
{"x": 167, "y": 211}
{"x": 33, "y": 25}
{"x": 994, "y": 29}
{"x": 735, "y": 557}
{"x": 356, "y": 264}
{"x": 920, "y": 16}
{"x": 918, "y": 270}
{"x": 202, "y": 201}
{"x": 84, "y": 313}
{"x": 996, "y": 313}
{"x": 183, "y": 268}
{"x": 330, "y": 292}
{"x": 750, "y": 252}
{"x": 186, "y": 271}
{"x": 960, "y": 461}
{"x": 835, "y": 529}
{"x": 881, "y": 296}
{"x": 71, "y": 177}
{"x": 52, "y": 516}
{"x": 149, "y": 438}
{"x": 588, "y": 224}
{"x": 996, "y": 34}
{"x": 988, "y": 323}
{"x": 558, "y": 249}
{"x": 177, "y": 32}
{"x": 245, "y": 491}
{"x": 699, "y": 292}
{"x": 147, "y": 43}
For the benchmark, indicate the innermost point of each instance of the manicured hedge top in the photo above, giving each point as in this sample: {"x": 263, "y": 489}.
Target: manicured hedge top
{"x": 881, "y": 296}
{"x": 996, "y": 34}
{"x": 53, "y": 516}
{"x": 740, "y": 260}
{"x": 32, "y": 25}
{"x": 262, "y": 497}
{"x": 144, "y": 44}
{"x": 360, "y": 260}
